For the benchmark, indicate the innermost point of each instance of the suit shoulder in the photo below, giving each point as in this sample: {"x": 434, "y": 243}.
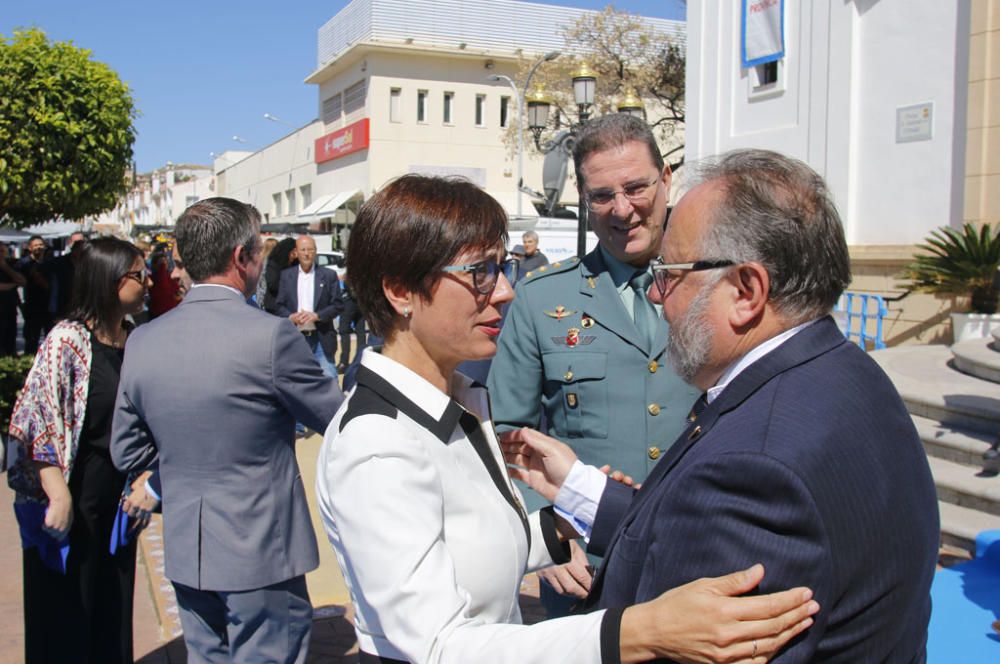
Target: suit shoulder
{"x": 546, "y": 272}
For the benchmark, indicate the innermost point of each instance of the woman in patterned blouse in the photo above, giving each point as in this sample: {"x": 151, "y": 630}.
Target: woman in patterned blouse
{"x": 77, "y": 590}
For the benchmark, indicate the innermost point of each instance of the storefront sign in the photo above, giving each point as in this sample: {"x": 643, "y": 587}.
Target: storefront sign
{"x": 763, "y": 31}
{"x": 342, "y": 142}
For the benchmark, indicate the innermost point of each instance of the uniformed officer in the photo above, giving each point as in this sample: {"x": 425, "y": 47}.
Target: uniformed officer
{"x": 582, "y": 345}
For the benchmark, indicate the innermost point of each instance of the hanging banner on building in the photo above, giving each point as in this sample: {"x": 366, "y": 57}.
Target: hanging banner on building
{"x": 340, "y": 143}
{"x": 763, "y": 31}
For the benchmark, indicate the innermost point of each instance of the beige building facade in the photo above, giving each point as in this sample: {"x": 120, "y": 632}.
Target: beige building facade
{"x": 982, "y": 163}
{"x": 405, "y": 87}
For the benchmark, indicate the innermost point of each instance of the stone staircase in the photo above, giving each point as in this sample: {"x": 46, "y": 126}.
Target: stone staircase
{"x": 953, "y": 395}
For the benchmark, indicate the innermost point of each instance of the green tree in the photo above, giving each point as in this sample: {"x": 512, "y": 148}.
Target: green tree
{"x": 66, "y": 131}
{"x": 626, "y": 56}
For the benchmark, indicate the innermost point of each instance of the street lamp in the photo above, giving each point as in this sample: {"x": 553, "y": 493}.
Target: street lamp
{"x": 275, "y": 118}
{"x": 538, "y": 113}
{"x": 295, "y": 143}
{"x": 584, "y": 84}
{"x": 520, "y": 133}
{"x": 632, "y": 105}
{"x": 518, "y": 97}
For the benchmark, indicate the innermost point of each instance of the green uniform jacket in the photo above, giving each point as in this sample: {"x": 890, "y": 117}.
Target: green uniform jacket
{"x": 570, "y": 349}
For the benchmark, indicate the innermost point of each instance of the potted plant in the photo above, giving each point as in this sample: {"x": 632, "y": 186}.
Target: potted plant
{"x": 961, "y": 263}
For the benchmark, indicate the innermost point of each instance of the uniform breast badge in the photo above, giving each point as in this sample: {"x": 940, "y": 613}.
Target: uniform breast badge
{"x": 560, "y": 312}
{"x": 573, "y": 339}
{"x": 591, "y": 282}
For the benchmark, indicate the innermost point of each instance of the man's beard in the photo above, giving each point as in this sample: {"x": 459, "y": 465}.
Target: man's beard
{"x": 690, "y": 340}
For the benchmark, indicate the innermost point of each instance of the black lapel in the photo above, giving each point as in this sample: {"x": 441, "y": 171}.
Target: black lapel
{"x": 473, "y": 429}
{"x": 442, "y": 429}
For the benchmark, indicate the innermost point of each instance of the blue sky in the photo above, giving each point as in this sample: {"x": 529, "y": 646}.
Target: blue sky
{"x": 203, "y": 71}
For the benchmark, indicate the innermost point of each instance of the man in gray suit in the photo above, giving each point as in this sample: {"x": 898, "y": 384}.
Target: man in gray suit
{"x": 212, "y": 391}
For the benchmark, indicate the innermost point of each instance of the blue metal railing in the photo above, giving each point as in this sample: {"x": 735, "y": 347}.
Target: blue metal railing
{"x": 858, "y": 314}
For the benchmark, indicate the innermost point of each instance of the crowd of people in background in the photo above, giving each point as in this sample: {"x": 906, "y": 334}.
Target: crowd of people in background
{"x": 697, "y": 357}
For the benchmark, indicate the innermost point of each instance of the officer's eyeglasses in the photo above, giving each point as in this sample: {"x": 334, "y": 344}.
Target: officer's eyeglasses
{"x": 665, "y": 273}
{"x": 639, "y": 194}
{"x": 486, "y": 272}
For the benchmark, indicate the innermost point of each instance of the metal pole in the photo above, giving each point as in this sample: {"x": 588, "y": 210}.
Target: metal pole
{"x": 520, "y": 135}
{"x": 581, "y": 231}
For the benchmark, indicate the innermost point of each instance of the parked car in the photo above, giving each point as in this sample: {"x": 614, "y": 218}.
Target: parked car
{"x": 332, "y": 260}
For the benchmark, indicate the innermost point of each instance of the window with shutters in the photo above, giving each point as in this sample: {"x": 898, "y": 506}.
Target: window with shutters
{"x": 332, "y": 109}
{"x": 354, "y": 100}
{"x": 504, "y": 112}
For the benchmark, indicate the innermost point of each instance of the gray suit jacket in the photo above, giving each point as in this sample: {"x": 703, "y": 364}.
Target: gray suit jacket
{"x": 213, "y": 389}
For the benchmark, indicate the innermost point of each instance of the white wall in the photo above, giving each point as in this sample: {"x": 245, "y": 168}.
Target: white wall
{"x": 849, "y": 65}
{"x": 285, "y": 164}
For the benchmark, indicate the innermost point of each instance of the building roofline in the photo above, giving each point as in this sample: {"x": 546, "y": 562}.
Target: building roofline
{"x": 349, "y": 55}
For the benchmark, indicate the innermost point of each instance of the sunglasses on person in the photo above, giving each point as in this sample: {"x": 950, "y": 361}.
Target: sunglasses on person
{"x": 138, "y": 275}
{"x": 665, "y": 273}
{"x": 486, "y": 272}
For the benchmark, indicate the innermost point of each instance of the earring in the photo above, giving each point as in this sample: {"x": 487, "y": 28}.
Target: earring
{"x": 406, "y": 312}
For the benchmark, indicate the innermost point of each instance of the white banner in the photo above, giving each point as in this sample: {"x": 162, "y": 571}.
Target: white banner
{"x": 763, "y": 31}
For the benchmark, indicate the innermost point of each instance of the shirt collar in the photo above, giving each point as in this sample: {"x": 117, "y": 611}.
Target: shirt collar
{"x": 420, "y": 391}
{"x": 621, "y": 273}
{"x": 229, "y": 288}
{"x": 303, "y": 273}
{"x": 757, "y": 352}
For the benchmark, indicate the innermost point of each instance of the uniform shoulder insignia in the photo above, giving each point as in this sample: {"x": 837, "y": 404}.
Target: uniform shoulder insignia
{"x": 553, "y": 268}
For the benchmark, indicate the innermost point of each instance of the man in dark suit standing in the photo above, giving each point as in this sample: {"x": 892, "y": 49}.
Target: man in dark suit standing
{"x": 310, "y": 298}
{"x": 800, "y": 456}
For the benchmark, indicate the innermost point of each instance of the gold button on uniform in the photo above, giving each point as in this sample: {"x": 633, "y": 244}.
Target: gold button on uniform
{"x": 568, "y": 376}
{"x": 653, "y": 366}
{"x": 654, "y": 409}
{"x": 654, "y": 453}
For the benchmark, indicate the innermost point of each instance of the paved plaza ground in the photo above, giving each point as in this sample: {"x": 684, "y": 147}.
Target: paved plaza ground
{"x": 157, "y": 631}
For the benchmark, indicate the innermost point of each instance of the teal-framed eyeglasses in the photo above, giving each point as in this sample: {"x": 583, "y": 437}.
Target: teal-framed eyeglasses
{"x": 486, "y": 272}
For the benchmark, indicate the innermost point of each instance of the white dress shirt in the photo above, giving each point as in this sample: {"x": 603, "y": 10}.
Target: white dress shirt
{"x": 580, "y": 493}
{"x": 306, "y": 289}
{"x": 429, "y": 530}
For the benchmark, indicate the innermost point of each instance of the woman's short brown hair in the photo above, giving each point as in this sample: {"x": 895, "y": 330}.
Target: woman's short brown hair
{"x": 409, "y": 230}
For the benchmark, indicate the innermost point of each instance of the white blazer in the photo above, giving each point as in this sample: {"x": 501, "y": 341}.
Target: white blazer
{"x": 430, "y": 532}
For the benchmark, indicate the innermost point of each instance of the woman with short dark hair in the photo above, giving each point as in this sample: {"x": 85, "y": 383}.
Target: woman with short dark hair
{"x": 77, "y": 593}
{"x": 429, "y": 530}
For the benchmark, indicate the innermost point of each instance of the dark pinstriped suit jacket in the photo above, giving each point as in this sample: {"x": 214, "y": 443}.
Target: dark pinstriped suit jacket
{"x": 808, "y": 463}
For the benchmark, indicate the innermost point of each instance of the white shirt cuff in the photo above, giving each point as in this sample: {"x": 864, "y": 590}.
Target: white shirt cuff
{"x": 579, "y": 496}
{"x": 149, "y": 490}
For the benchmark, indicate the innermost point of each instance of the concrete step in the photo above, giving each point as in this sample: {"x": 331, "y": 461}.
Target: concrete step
{"x": 960, "y": 525}
{"x": 995, "y": 334}
{"x": 965, "y": 486}
{"x": 977, "y": 357}
{"x": 952, "y": 443}
{"x": 932, "y": 388}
